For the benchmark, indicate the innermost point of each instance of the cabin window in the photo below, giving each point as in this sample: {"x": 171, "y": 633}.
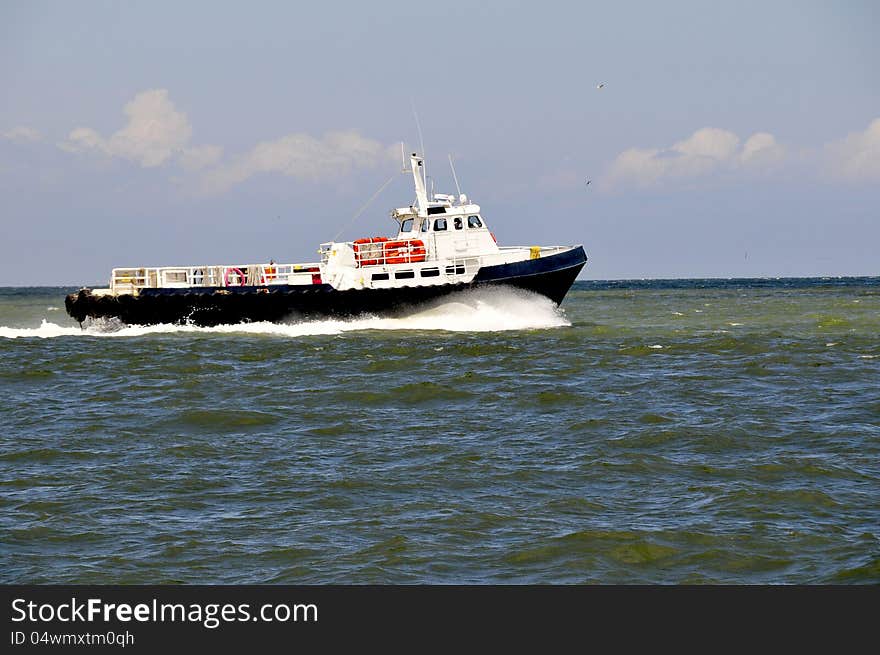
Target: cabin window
{"x": 404, "y": 275}
{"x": 457, "y": 222}
{"x": 474, "y": 221}
{"x": 407, "y": 225}
{"x": 426, "y": 225}
{"x": 430, "y": 272}
{"x": 458, "y": 269}
{"x": 379, "y": 276}
{"x": 436, "y": 210}
{"x": 440, "y": 225}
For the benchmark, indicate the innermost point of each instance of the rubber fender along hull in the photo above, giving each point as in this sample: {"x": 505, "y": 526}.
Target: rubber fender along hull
{"x": 208, "y": 306}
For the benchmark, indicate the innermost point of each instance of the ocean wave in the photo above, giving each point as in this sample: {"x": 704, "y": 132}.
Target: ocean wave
{"x": 483, "y": 310}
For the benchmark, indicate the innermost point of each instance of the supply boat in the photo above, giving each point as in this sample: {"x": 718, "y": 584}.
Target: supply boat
{"x": 443, "y": 245}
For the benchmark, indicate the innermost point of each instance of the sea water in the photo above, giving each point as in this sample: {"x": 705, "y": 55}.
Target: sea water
{"x": 688, "y": 431}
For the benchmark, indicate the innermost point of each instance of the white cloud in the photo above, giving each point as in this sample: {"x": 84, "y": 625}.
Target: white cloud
{"x": 301, "y": 156}
{"x": 856, "y": 158}
{"x": 194, "y": 159}
{"x": 22, "y": 134}
{"x": 82, "y": 139}
{"x": 708, "y": 143}
{"x": 708, "y": 150}
{"x": 155, "y": 132}
{"x": 761, "y": 149}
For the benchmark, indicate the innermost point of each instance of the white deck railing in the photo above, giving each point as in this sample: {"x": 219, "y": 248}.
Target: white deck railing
{"x": 126, "y": 280}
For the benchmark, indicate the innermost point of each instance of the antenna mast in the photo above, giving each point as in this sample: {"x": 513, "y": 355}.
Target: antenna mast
{"x": 421, "y": 142}
{"x": 416, "y": 164}
{"x": 454, "y": 176}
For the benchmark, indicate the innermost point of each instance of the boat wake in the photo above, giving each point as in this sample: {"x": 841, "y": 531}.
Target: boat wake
{"x": 482, "y": 310}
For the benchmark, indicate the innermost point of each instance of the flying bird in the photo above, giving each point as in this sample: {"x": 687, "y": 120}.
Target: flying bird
{"x": 601, "y": 85}
{"x": 588, "y": 182}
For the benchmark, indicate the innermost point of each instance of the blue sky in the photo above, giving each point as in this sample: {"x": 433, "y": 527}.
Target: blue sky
{"x": 738, "y": 139}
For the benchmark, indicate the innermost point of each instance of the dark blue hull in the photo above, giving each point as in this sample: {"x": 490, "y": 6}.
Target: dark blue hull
{"x": 548, "y": 276}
